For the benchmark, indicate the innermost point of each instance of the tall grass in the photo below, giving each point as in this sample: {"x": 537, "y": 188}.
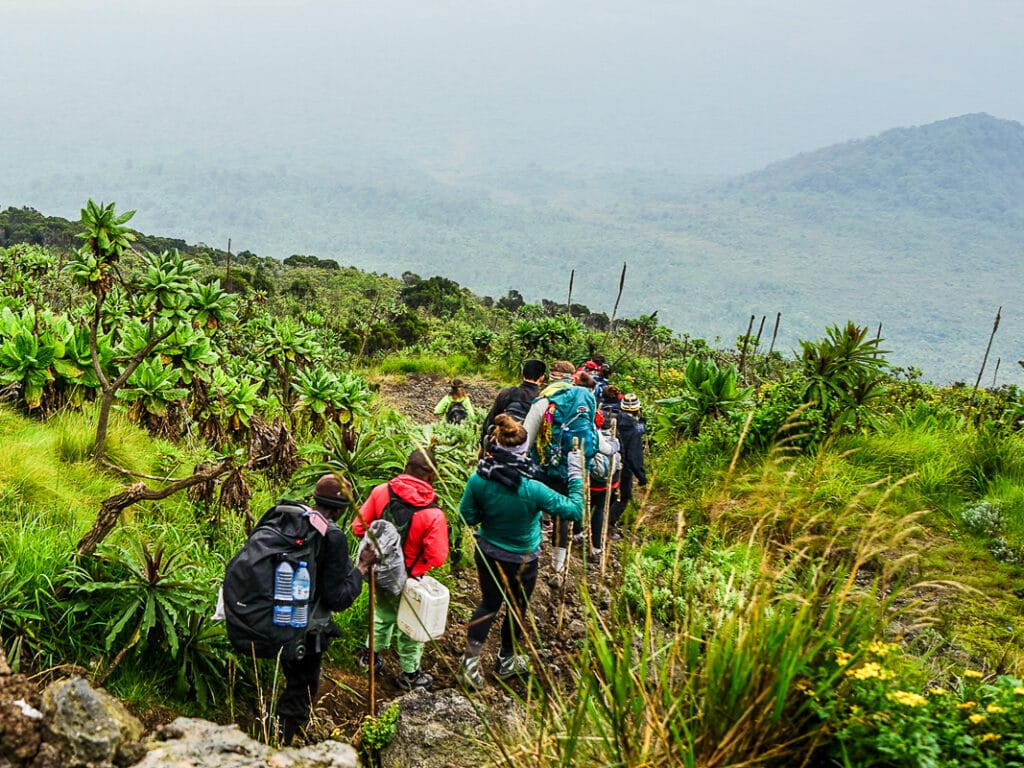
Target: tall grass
{"x": 719, "y": 655}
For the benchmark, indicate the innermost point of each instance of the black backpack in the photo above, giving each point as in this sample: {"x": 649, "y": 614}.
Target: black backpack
{"x": 283, "y": 533}
{"x": 399, "y": 513}
{"x": 519, "y": 406}
{"x": 456, "y": 413}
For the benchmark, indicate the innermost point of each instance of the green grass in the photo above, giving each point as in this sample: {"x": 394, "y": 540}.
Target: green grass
{"x": 452, "y": 365}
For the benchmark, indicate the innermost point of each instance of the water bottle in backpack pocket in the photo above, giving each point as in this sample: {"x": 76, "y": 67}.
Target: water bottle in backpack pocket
{"x": 270, "y": 585}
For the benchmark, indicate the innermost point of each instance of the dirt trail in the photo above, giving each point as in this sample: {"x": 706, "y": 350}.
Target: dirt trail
{"x": 415, "y": 395}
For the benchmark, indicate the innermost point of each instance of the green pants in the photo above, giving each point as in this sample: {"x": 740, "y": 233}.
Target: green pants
{"x": 385, "y": 620}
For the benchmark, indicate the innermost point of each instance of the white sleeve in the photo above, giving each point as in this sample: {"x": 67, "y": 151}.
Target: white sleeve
{"x": 533, "y": 420}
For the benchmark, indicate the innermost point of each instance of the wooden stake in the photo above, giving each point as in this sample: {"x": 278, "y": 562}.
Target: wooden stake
{"x": 568, "y": 301}
{"x": 746, "y": 341}
{"x": 615, "y": 309}
{"x": 227, "y": 275}
{"x": 775, "y": 333}
{"x": 760, "y": 330}
{"x": 995, "y": 373}
{"x": 995, "y": 327}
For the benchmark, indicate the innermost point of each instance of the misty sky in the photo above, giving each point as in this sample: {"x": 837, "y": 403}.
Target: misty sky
{"x": 708, "y": 87}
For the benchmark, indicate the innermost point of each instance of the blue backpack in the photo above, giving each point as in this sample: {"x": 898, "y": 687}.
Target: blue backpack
{"x": 569, "y": 416}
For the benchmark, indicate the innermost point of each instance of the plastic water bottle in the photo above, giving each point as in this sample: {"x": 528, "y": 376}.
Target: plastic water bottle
{"x": 300, "y": 596}
{"x": 283, "y": 594}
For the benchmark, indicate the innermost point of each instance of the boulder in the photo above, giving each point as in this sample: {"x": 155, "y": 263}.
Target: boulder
{"x": 445, "y": 729}
{"x": 89, "y": 728}
{"x": 193, "y": 743}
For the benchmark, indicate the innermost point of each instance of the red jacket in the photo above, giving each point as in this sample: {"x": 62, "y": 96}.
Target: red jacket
{"x": 426, "y": 546}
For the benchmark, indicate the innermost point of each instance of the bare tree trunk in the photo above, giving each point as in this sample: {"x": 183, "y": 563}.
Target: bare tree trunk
{"x": 995, "y": 373}
{"x": 760, "y": 330}
{"x": 775, "y": 333}
{"x": 615, "y": 309}
{"x": 746, "y": 343}
{"x": 995, "y": 327}
{"x": 227, "y": 272}
{"x": 568, "y": 301}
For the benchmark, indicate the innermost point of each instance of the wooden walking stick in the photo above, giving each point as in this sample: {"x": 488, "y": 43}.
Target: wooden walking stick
{"x": 612, "y": 462}
{"x": 373, "y": 655}
{"x": 568, "y": 544}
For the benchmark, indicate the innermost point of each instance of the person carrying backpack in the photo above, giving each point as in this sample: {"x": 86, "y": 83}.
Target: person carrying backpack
{"x": 504, "y": 499}
{"x": 455, "y": 406}
{"x": 425, "y": 547}
{"x": 563, "y": 413}
{"x": 515, "y": 401}
{"x": 248, "y": 593}
{"x": 632, "y": 449}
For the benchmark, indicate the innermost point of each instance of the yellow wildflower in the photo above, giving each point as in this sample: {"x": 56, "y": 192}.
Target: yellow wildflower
{"x": 867, "y": 671}
{"x": 843, "y": 658}
{"x": 1019, "y": 690}
{"x": 973, "y": 673}
{"x": 976, "y": 718}
{"x": 878, "y": 648}
{"x": 967, "y": 705}
{"x": 907, "y": 699}
{"x": 936, "y": 691}
{"x": 991, "y": 737}
{"x": 994, "y": 709}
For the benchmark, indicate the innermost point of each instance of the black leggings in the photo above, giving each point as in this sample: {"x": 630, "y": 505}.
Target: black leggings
{"x": 500, "y": 583}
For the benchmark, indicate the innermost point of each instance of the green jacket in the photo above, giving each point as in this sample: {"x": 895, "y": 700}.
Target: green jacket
{"x": 511, "y": 519}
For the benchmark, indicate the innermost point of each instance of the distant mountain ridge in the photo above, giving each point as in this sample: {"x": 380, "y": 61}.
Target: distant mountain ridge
{"x": 918, "y": 230}
{"x": 967, "y": 167}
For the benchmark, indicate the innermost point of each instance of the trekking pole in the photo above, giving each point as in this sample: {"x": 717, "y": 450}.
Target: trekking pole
{"x": 373, "y": 655}
{"x": 608, "y": 501}
{"x": 568, "y": 546}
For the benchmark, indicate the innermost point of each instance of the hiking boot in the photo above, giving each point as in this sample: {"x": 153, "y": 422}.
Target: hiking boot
{"x": 516, "y": 665}
{"x": 577, "y": 538}
{"x": 378, "y": 659}
{"x": 615, "y": 534}
{"x": 418, "y": 679}
{"x": 469, "y": 674}
{"x": 595, "y": 558}
{"x": 556, "y": 579}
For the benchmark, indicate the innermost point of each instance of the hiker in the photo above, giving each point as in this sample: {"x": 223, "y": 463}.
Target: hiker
{"x": 515, "y": 401}
{"x": 455, "y": 406}
{"x": 599, "y": 488}
{"x": 632, "y": 450}
{"x": 561, "y": 413}
{"x": 504, "y": 499}
{"x": 425, "y": 547}
{"x": 338, "y": 584}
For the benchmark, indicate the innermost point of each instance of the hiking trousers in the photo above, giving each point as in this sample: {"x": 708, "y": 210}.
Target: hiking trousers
{"x": 502, "y": 583}
{"x": 385, "y": 626}
{"x": 302, "y": 678}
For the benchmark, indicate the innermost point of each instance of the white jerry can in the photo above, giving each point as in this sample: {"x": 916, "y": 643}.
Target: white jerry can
{"x": 423, "y": 609}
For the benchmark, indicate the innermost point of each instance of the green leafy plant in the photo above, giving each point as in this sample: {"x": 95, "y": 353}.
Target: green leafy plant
{"x": 709, "y": 394}
{"x": 150, "y": 599}
{"x": 377, "y": 732}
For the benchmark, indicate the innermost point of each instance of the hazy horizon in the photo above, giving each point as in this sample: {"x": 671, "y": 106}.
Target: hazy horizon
{"x": 463, "y": 86}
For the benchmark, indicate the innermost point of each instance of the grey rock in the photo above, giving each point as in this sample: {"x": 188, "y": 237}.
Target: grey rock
{"x": 193, "y": 743}
{"x": 445, "y": 729}
{"x": 89, "y": 728}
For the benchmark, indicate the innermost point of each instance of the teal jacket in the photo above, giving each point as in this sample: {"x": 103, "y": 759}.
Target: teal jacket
{"x": 511, "y": 519}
